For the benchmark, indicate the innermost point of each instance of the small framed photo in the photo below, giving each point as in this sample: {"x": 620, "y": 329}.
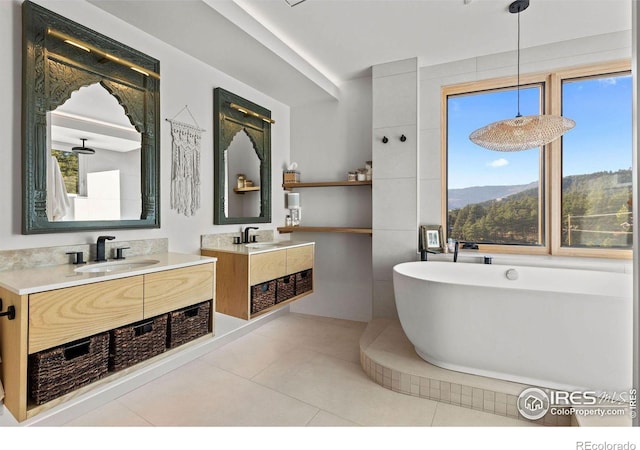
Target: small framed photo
{"x": 431, "y": 237}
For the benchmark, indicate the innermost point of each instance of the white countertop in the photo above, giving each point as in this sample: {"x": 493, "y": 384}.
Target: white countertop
{"x": 28, "y": 281}
{"x": 257, "y": 247}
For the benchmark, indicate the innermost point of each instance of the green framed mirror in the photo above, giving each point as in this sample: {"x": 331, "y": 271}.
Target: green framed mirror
{"x": 242, "y": 160}
{"x": 90, "y": 118}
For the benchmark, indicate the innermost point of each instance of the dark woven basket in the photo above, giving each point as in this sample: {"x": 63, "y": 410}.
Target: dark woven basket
{"x": 263, "y": 296}
{"x": 188, "y": 323}
{"x": 60, "y": 370}
{"x": 134, "y": 343}
{"x": 286, "y": 288}
{"x": 304, "y": 281}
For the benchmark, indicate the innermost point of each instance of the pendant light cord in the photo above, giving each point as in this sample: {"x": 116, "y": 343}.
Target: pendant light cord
{"x": 519, "y": 115}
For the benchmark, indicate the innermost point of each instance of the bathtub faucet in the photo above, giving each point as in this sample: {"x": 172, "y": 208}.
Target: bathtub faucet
{"x": 424, "y": 252}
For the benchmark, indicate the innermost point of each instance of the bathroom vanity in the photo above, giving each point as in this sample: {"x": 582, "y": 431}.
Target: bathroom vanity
{"x": 259, "y": 277}
{"x": 62, "y": 304}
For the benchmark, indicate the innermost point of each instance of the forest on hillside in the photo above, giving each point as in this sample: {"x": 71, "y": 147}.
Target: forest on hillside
{"x": 596, "y": 212}
{"x": 68, "y": 162}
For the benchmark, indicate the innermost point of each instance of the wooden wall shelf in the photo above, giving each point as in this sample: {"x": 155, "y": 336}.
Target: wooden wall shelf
{"x": 326, "y": 184}
{"x": 352, "y": 230}
{"x": 368, "y": 231}
{"x": 246, "y": 189}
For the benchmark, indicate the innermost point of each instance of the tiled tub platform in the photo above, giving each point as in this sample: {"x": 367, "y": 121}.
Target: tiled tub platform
{"x": 389, "y": 359}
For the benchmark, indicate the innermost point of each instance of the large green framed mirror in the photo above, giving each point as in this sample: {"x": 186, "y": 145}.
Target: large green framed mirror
{"x": 91, "y": 141}
{"x": 242, "y": 159}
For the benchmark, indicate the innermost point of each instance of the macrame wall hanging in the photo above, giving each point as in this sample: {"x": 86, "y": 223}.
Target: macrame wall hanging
{"x": 185, "y": 165}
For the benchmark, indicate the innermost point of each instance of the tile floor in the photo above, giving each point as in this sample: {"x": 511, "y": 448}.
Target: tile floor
{"x": 298, "y": 375}
{"x": 295, "y": 370}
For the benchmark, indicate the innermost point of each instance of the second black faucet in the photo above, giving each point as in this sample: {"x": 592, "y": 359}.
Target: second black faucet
{"x": 246, "y": 234}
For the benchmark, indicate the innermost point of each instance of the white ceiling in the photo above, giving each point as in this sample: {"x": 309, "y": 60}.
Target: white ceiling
{"x": 304, "y": 53}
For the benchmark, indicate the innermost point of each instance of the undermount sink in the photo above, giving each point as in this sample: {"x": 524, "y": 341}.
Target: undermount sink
{"x": 116, "y": 266}
{"x": 262, "y": 244}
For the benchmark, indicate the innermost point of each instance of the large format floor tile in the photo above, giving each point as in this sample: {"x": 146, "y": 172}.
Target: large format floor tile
{"x": 341, "y": 387}
{"x": 335, "y": 337}
{"x": 295, "y": 370}
{"x": 199, "y": 394}
{"x": 113, "y": 414}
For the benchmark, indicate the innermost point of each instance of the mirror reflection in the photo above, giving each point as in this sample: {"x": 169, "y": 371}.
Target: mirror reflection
{"x": 242, "y": 178}
{"x": 242, "y": 160}
{"x": 90, "y": 118}
{"x": 94, "y": 165}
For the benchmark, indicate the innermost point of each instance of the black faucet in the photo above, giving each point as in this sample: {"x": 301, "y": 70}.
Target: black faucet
{"x": 424, "y": 252}
{"x": 455, "y": 251}
{"x": 246, "y": 234}
{"x": 100, "y": 247}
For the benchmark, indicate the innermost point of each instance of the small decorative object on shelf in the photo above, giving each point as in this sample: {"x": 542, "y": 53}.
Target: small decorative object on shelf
{"x": 293, "y": 203}
{"x": 291, "y": 175}
{"x": 241, "y": 181}
{"x": 369, "y": 167}
{"x": 362, "y": 174}
{"x": 352, "y": 176}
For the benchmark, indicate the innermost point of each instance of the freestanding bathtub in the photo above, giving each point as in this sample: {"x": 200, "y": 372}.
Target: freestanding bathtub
{"x": 565, "y": 329}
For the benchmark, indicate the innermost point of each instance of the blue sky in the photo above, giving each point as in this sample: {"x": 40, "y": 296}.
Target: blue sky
{"x": 601, "y": 139}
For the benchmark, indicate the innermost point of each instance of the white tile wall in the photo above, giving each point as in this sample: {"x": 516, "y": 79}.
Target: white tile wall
{"x": 394, "y": 204}
{"x": 395, "y": 164}
{"x": 394, "y": 100}
{"x": 383, "y": 299}
{"x": 395, "y": 159}
{"x": 430, "y": 166}
{"x": 430, "y": 201}
{"x": 394, "y": 247}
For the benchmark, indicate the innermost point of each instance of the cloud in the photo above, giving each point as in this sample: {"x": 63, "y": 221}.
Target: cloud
{"x": 498, "y": 163}
{"x": 611, "y": 81}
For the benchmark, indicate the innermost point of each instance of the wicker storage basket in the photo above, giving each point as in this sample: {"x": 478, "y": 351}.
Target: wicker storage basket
{"x": 263, "y": 296}
{"x": 304, "y": 281}
{"x": 60, "y": 370}
{"x": 286, "y": 288}
{"x": 134, "y": 343}
{"x": 188, "y": 323}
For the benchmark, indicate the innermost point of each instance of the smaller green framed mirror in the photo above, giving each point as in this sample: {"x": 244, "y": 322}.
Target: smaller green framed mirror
{"x": 242, "y": 160}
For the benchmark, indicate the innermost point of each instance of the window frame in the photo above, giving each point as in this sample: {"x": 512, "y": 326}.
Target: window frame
{"x": 551, "y": 158}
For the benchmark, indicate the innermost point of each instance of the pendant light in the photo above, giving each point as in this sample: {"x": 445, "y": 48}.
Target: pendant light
{"x": 521, "y": 132}
{"x": 82, "y": 149}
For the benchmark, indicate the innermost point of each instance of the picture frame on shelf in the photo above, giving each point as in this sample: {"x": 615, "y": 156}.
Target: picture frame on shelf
{"x": 431, "y": 238}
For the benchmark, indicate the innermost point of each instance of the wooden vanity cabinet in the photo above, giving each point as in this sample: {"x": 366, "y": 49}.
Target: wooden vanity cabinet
{"x": 51, "y": 318}
{"x": 237, "y": 272}
{"x": 64, "y": 315}
{"x": 174, "y": 289}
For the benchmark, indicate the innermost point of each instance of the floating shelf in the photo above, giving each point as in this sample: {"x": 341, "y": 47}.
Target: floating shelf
{"x": 246, "y": 189}
{"x": 326, "y": 184}
{"x": 351, "y": 230}
{"x": 368, "y": 231}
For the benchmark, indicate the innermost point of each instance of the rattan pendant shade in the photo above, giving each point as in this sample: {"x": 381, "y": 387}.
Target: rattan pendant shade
{"x": 521, "y": 132}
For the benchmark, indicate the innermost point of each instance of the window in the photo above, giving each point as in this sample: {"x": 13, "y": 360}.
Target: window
{"x": 571, "y": 197}
{"x": 69, "y": 168}
{"x": 596, "y": 162}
